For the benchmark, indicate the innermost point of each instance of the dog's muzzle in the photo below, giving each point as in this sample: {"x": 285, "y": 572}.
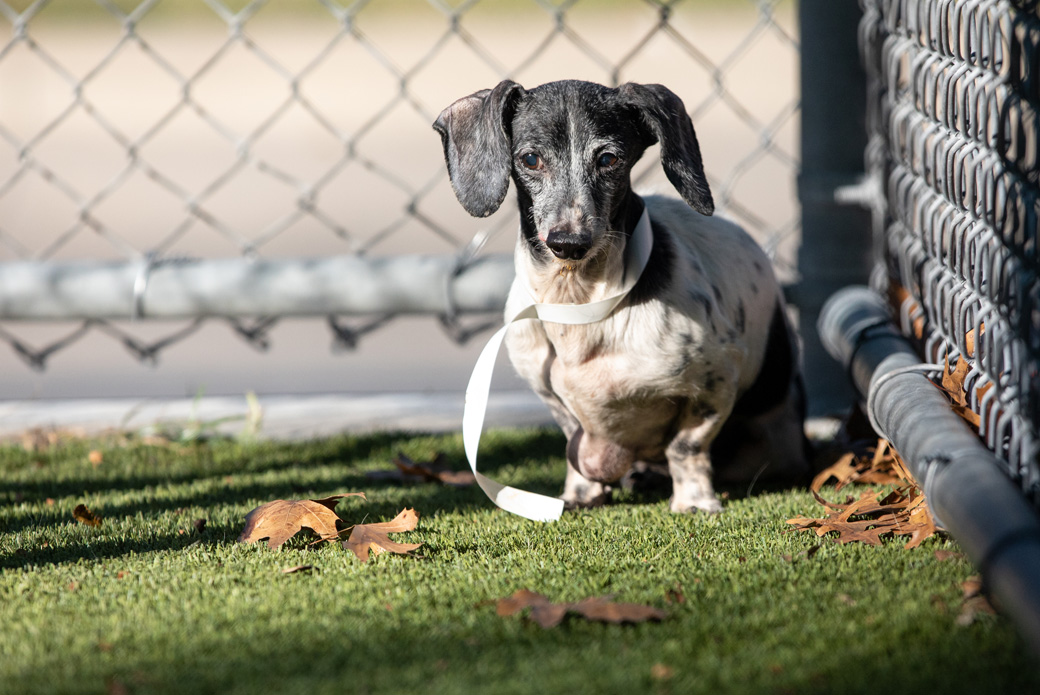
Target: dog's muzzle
{"x": 567, "y": 246}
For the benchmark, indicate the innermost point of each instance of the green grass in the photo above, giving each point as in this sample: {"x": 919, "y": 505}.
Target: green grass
{"x": 146, "y": 604}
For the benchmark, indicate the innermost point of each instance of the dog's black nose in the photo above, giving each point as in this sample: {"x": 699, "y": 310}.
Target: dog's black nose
{"x": 567, "y": 246}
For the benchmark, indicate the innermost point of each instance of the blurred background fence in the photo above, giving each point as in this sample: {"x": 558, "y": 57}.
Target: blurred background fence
{"x": 220, "y": 189}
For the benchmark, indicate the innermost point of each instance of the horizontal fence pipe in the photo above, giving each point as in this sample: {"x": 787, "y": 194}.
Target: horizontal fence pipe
{"x": 240, "y": 287}
{"x": 963, "y": 481}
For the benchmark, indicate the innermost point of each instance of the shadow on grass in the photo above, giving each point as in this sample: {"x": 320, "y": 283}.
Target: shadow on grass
{"x": 185, "y": 463}
{"x": 98, "y": 544}
{"x": 233, "y": 487}
{"x": 385, "y": 654}
{"x": 197, "y": 462}
{"x": 229, "y": 474}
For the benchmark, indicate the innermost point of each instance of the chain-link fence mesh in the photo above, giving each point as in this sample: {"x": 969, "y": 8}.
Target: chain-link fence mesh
{"x": 955, "y": 96}
{"x": 159, "y": 132}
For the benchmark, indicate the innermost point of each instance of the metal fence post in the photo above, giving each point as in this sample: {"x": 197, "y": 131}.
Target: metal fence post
{"x": 835, "y": 247}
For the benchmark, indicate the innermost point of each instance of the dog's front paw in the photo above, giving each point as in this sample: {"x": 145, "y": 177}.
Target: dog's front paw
{"x": 581, "y": 493}
{"x": 585, "y": 496}
{"x": 709, "y": 504}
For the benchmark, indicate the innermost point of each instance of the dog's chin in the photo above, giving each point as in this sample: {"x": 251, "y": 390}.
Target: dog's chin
{"x": 574, "y": 265}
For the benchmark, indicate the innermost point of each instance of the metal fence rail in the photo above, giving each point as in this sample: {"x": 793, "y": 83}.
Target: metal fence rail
{"x": 954, "y": 142}
{"x": 248, "y": 152}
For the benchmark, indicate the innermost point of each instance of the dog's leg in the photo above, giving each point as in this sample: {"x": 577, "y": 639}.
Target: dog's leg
{"x": 769, "y": 446}
{"x": 689, "y": 463}
{"x": 581, "y": 493}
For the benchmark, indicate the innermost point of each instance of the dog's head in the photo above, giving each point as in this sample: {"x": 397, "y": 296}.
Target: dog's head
{"x": 569, "y": 147}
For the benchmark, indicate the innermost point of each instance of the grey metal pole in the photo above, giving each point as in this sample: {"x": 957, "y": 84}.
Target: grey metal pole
{"x": 963, "y": 481}
{"x": 237, "y": 287}
{"x": 835, "y": 247}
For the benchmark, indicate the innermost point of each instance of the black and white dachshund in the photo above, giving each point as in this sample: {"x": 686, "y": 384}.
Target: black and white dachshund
{"x": 698, "y": 366}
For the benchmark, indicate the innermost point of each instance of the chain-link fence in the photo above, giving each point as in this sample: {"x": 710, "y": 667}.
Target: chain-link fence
{"x": 171, "y": 168}
{"x": 954, "y": 127}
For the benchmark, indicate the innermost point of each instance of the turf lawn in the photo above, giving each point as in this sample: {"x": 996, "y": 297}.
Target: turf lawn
{"x": 148, "y": 603}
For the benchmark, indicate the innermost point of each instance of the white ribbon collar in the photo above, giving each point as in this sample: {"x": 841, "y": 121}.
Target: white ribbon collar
{"x": 528, "y": 504}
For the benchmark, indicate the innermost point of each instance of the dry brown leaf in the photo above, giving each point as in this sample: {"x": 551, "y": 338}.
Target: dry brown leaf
{"x": 921, "y": 526}
{"x": 675, "y": 594}
{"x": 975, "y": 603}
{"x": 39, "y": 439}
{"x": 944, "y": 555}
{"x": 114, "y": 686}
{"x": 902, "y": 512}
{"x": 807, "y": 554}
{"x": 953, "y": 382}
{"x": 373, "y": 537}
{"x": 882, "y": 468}
{"x": 661, "y": 672}
{"x": 600, "y": 609}
{"x": 434, "y": 471}
{"x": 897, "y": 295}
{"x": 543, "y": 611}
{"x": 85, "y": 516}
{"x": 954, "y": 386}
{"x": 297, "y": 568}
{"x": 845, "y": 470}
{"x": 280, "y": 520}
{"x": 969, "y": 338}
{"x": 603, "y": 610}
{"x": 971, "y": 587}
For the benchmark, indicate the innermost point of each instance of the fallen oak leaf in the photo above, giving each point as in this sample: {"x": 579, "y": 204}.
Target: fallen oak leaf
{"x": 661, "y": 672}
{"x": 85, "y": 516}
{"x": 975, "y": 602}
{"x": 434, "y": 471}
{"x": 921, "y": 526}
{"x": 866, "y": 505}
{"x": 845, "y": 470}
{"x": 902, "y": 512}
{"x": 882, "y": 468}
{"x": 374, "y": 537}
{"x": 944, "y": 555}
{"x": 675, "y": 594}
{"x": 605, "y": 611}
{"x": 807, "y": 554}
{"x": 953, "y": 383}
{"x": 868, "y": 531}
{"x": 543, "y": 611}
{"x": 409, "y": 471}
{"x": 280, "y": 520}
{"x": 548, "y": 614}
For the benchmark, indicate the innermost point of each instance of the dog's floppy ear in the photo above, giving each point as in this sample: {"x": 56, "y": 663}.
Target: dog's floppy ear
{"x": 665, "y": 116}
{"x": 477, "y": 146}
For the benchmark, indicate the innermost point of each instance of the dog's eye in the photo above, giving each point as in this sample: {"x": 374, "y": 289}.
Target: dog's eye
{"x": 531, "y": 160}
{"x": 607, "y": 159}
